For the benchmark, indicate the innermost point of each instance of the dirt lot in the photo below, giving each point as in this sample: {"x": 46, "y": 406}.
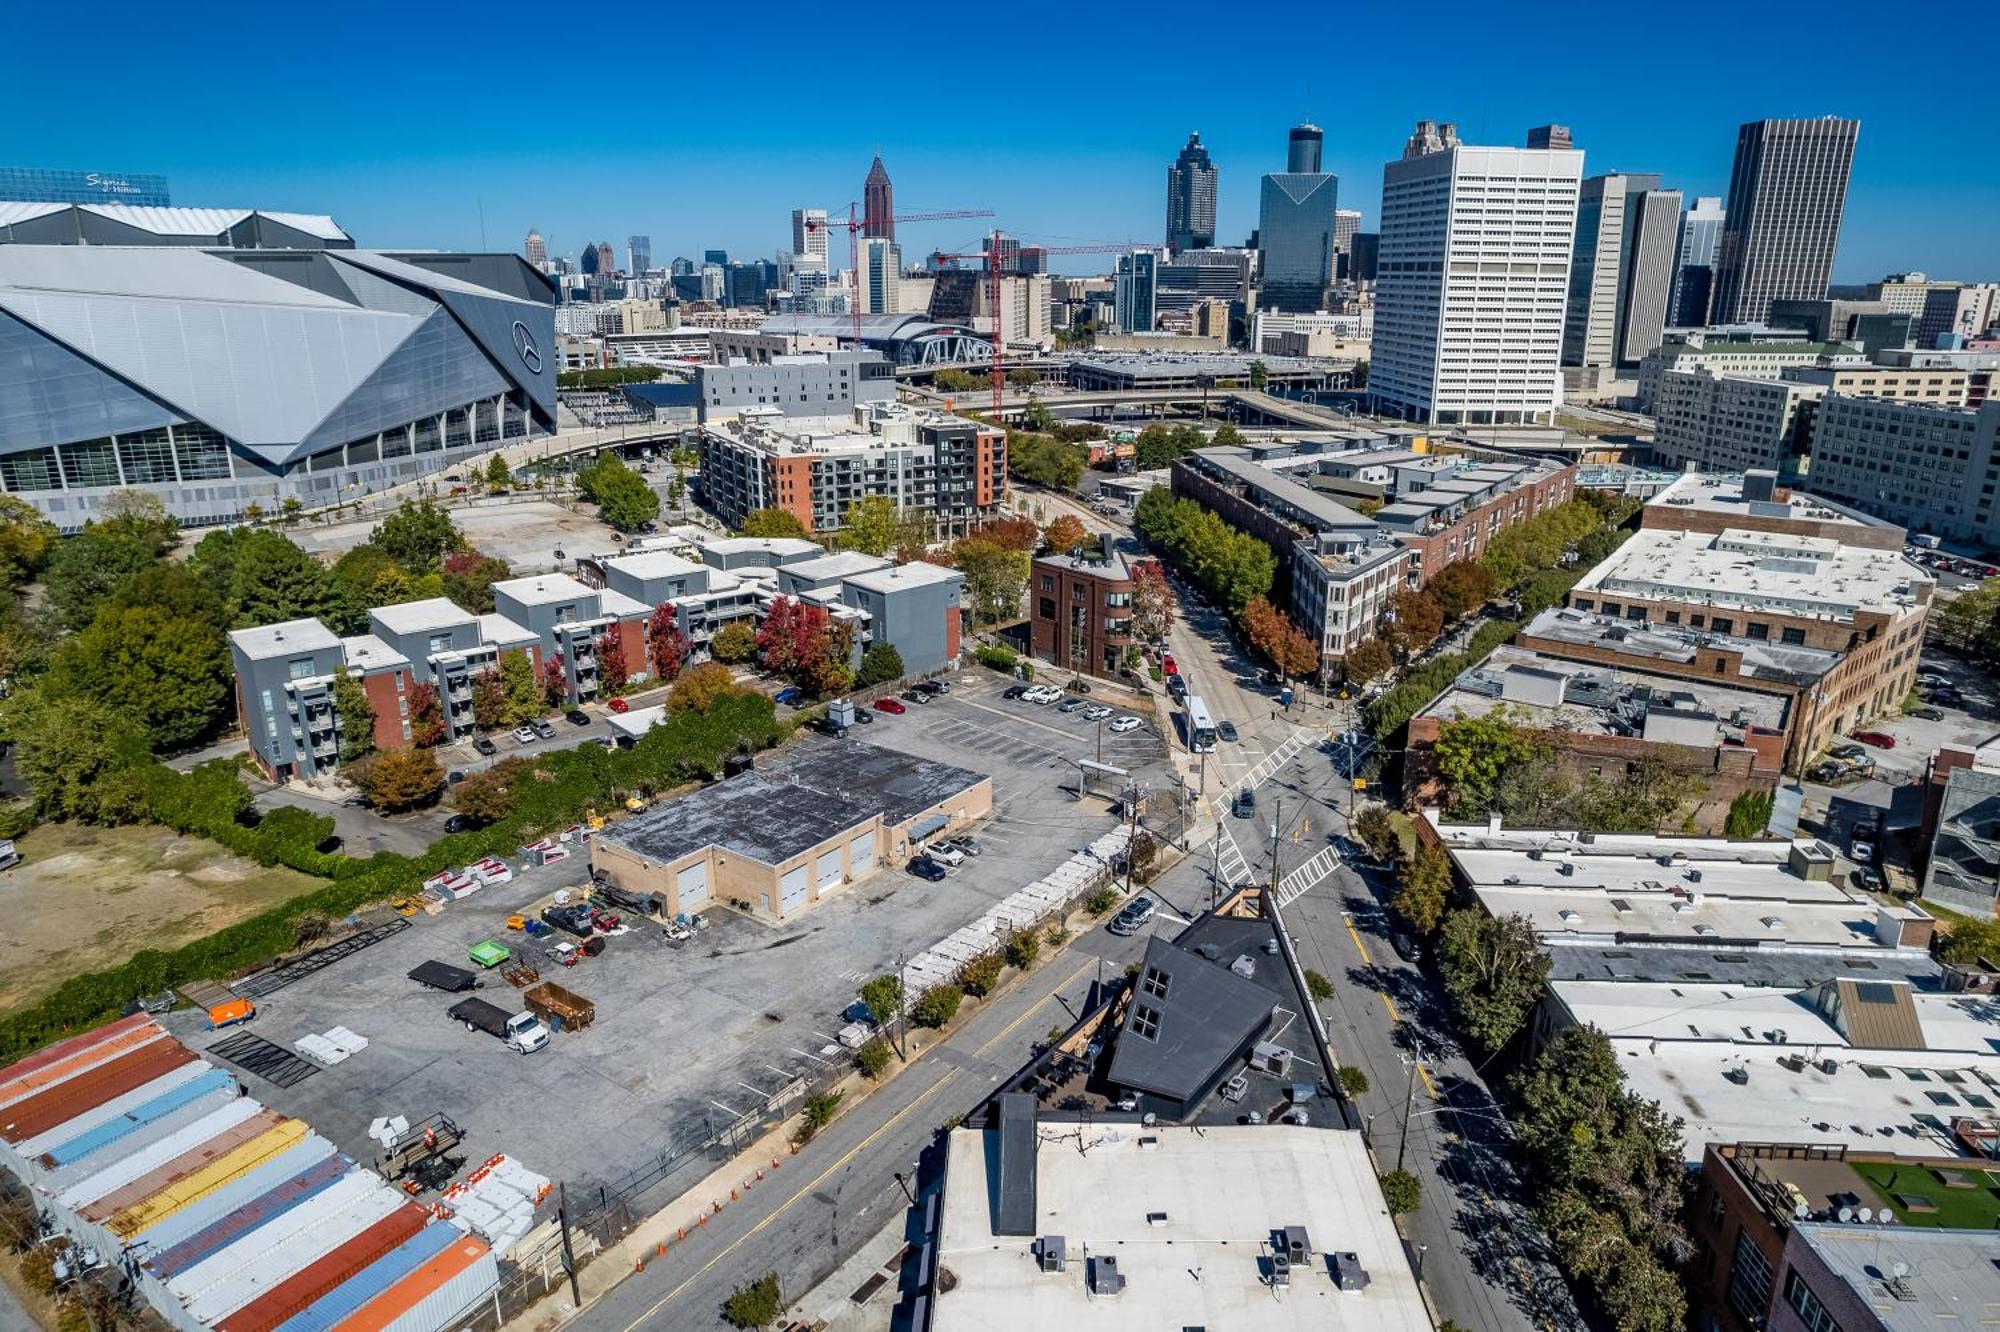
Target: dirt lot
{"x": 85, "y": 898}
{"x": 525, "y": 533}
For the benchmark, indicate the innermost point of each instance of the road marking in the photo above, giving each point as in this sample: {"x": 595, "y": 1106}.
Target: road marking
{"x": 1347, "y": 919}
{"x": 807, "y": 1190}
{"x": 1025, "y": 721}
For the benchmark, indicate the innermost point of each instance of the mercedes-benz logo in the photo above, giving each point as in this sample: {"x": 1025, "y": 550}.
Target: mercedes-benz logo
{"x": 525, "y": 348}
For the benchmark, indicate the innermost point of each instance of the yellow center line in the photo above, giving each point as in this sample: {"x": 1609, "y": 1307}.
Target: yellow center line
{"x": 1347, "y": 919}
{"x": 808, "y": 1189}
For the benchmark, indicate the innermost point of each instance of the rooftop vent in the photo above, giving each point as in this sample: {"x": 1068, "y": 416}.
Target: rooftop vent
{"x": 1052, "y": 1254}
{"x": 1296, "y": 1243}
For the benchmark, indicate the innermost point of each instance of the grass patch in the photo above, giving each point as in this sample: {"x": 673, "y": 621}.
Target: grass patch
{"x": 1950, "y": 915}
{"x": 1976, "y": 1208}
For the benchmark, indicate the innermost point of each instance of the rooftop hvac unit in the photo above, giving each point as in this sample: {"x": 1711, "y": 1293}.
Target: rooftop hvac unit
{"x": 1297, "y": 1245}
{"x": 1565, "y": 868}
{"x": 1210, "y": 951}
{"x": 1244, "y": 966}
{"x": 1101, "y": 1275}
{"x": 1270, "y": 1057}
{"x": 1052, "y": 1254}
{"x": 1281, "y": 1269}
{"x": 1348, "y": 1273}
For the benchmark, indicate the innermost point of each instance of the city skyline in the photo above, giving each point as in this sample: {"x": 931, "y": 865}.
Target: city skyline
{"x": 434, "y": 166}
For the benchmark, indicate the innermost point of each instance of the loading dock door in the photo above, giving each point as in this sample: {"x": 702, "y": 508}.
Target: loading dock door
{"x": 692, "y": 884}
{"x": 826, "y": 872}
{"x": 861, "y": 853}
{"x": 792, "y": 890}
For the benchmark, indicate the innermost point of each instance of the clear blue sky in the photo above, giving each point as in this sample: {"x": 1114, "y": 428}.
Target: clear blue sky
{"x": 704, "y": 125}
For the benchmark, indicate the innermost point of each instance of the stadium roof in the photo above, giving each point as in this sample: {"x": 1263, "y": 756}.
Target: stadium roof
{"x": 99, "y": 223}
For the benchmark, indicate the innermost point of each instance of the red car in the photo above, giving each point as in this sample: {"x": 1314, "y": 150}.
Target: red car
{"x": 891, "y": 706}
{"x": 1876, "y": 738}
{"x": 620, "y": 705}
{"x": 1168, "y": 667}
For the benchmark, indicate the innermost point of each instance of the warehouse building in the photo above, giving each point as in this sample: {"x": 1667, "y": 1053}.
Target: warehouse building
{"x": 224, "y": 1214}
{"x": 800, "y": 826}
{"x": 219, "y": 379}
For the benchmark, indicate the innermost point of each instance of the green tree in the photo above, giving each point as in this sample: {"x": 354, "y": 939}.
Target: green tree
{"x": 168, "y": 672}
{"x": 1376, "y": 830}
{"x": 702, "y": 687}
{"x": 734, "y": 642}
{"x": 468, "y": 578}
{"x": 1473, "y": 753}
{"x": 82, "y": 570}
{"x": 1425, "y": 889}
{"x": 1353, "y": 1080}
{"x": 872, "y": 1058}
{"x": 954, "y": 381}
{"x": 1022, "y": 377}
{"x": 272, "y": 579}
{"x": 883, "y": 998}
{"x": 25, "y": 538}
{"x": 1494, "y": 971}
{"x": 1968, "y": 941}
{"x": 417, "y": 536}
{"x": 755, "y": 1304}
{"x": 1041, "y": 460}
{"x": 72, "y": 752}
{"x": 1227, "y": 437}
{"x": 872, "y": 526}
{"x": 978, "y": 977}
{"x": 1749, "y": 815}
{"x": 1402, "y": 1191}
{"x": 400, "y": 779}
{"x": 623, "y": 498}
{"x": 1023, "y": 946}
{"x": 1065, "y": 534}
{"x": 497, "y": 476}
{"x": 936, "y": 1006}
{"x": 995, "y": 577}
{"x": 356, "y": 715}
{"x": 1037, "y": 415}
{"x": 880, "y": 664}
{"x": 1461, "y": 588}
{"x": 520, "y": 691}
{"x": 772, "y": 523}
{"x": 1260, "y": 375}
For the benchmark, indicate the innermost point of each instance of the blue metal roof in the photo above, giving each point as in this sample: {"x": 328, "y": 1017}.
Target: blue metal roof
{"x": 326, "y": 1313}
{"x": 75, "y": 1149}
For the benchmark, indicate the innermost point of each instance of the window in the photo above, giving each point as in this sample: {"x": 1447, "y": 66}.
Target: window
{"x": 1807, "y": 1306}
{"x": 1792, "y": 637}
{"x": 1760, "y": 632}
{"x": 1048, "y": 582}
{"x": 1750, "y": 1281}
{"x": 1672, "y": 617}
{"x": 1045, "y": 608}
{"x": 1146, "y": 1022}
{"x": 1156, "y": 982}
{"x": 440, "y": 643}
{"x": 1722, "y": 626}
{"x": 298, "y": 668}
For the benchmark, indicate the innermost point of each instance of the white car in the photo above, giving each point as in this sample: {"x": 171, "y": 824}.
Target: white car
{"x": 1042, "y": 695}
{"x": 525, "y": 734}
{"x": 1126, "y": 723}
{"x": 944, "y": 853}
{"x": 1862, "y": 853}
{"x": 1096, "y": 712}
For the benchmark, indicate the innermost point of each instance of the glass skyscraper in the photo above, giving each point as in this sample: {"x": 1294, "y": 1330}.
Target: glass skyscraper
{"x": 1191, "y": 198}
{"x": 1787, "y": 192}
{"x": 1295, "y": 224}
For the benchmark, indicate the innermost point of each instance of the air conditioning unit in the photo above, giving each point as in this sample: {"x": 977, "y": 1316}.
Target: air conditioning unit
{"x": 1052, "y": 1254}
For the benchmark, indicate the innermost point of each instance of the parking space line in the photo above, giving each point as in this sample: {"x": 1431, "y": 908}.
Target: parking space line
{"x": 726, "y": 1109}
{"x": 755, "y": 1091}
{"x": 1016, "y": 717}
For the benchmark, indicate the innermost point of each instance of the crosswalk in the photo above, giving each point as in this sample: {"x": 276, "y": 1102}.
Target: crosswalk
{"x": 1230, "y": 863}
{"x": 1306, "y": 877}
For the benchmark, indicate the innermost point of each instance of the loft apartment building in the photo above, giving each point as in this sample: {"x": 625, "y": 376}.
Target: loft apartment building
{"x": 805, "y": 384}
{"x": 1742, "y": 556}
{"x": 814, "y": 468}
{"x": 1082, "y": 604}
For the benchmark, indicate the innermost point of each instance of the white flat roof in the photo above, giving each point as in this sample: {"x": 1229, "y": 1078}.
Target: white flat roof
{"x": 653, "y": 564}
{"x": 1955, "y": 1028}
{"x": 1722, "y": 492}
{"x": 1773, "y": 572}
{"x": 413, "y": 617}
{"x": 639, "y": 720}
{"x": 365, "y": 653}
{"x": 837, "y": 565}
{"x": 1633, "y": 875}
{"x": 498, "y": 629}
{"x": 917, "y": 573}
{"x": 283, "y": 639}
{"x": 540, "y": 589}
{"x": 1591, "y": 913}
{"x": 1222, "y": 1191}
{"x": 610, "y": 601}
{"x": 775, "y": 545}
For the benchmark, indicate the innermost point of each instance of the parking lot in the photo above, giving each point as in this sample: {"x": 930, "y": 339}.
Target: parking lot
{"x": 684, "y": 1038}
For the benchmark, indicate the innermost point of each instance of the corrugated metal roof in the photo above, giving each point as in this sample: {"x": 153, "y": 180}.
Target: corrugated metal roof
{"x": 206, "y": 1181}
{"x": 327, "y": 1313}
{"x": 328, "y": 1271}
{"x": 56, "y": 1145}
{"x": 1878, "y": 1015}
{"x": 171, "y": 221}
{"x": 61, "y": 1070}
{"x": 12, "y": 211}
{"x": 328, "y": 1229}
{"x": 66, "y": 1100}
{"x": 411, "y": 1295}
{"x": 316, "y": 1178}
{"x": 293, "y": 1226}
{"x": 15, "y": 1073}
{"x": 246, "y": 1188}
{"x": 139, "y": 1177}
{"x": 183, "y": 1105}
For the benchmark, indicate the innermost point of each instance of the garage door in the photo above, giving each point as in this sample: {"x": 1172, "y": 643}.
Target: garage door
{"x": 827, "y": 871}
{"x": 861, "y": 853}
{"x": 792, "y": 890}
{"x": 692, "y": 884}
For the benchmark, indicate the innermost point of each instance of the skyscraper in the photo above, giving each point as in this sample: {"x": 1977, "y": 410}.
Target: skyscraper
{"x": 586, "y": 263}
{"x": 1346, "y": 222}
{"x": 1135, "y": 290}
{"x": 1295, "y": 227}
{"x": 1550, "y": 136}
{"x": 878, "y": 203}
{"x": 639, "y": 250}
{"x": 809, "y": 231}
{"x": 607, "y": 262}
{"x": 1459, "y": 343}
{"x": 1787, "y": 191}
{"x": 879, "y": 282}
{"x": 535, "y": 250}
{"x": 1621, "y": 270}
{"x": 1191, "y": 198}
{"x": 1694, "y": 263}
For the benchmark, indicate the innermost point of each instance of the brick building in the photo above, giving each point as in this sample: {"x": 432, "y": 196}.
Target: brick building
{"x": 1081, "y": 607}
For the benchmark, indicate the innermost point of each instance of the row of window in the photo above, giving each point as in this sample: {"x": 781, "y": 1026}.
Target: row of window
{"x": 1755, "y": 630}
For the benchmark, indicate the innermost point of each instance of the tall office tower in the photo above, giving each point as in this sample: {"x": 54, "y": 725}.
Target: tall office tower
{"x": 1473, "y": 273}
{"x": 880, "y": 276}
{"x": 717, "y": 257}
{"x": 1550, "y": 136}
{"x": 809, "y": 231}
{"x": 1346, "y": 222}
{"x": 1361, "y": 261}
{"x": 681, "y": 267}
{"x": 1191, "y": 198}
{"x": 1787, "y": 191}
{"x": 1135, "y": 291}
{"x": 1302, "y": 150}
{"x": 1033, "y": 259}
{"x": 1694, "y": 263}
{"x": 586, "y": 263}
{"x": 1295, "y": 228}
{"x": 607, "y": 262}
{"x": 536, "y": 250}
{"x": 878, "y": 203}
{"x": 639, "y": 249}
{"x": 1006, "y": 252}
{"x": 1621, "y": 270}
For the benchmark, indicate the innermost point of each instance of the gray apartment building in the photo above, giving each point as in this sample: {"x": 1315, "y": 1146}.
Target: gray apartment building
{"x": 915, "y": 607}
{"x": 444, "y": 646}
{"x": 805, "y": 384}
{"x": 1930, "y": 467}
{"x": 1733, "y": 423}
{"x": 568, "y": 617}
{"x": 284, "y": 696}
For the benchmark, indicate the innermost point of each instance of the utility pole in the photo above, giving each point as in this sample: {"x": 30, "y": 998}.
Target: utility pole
{"x": 1409, "y": 1100}
{"x": 569, "y": 1254}
{"x": 1277, "y": 821}
{"x": 1215, "y": 868}
{"x": 1132, "y": 831}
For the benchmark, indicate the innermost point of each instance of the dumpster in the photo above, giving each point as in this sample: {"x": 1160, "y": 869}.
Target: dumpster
{"x": 561, "y": 1009}
{"x": 489, "y": 954}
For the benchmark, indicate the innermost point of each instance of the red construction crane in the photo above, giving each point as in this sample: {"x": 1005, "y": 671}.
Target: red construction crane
{"x": 991, "y": 257}
{"x": 854, "y": 222}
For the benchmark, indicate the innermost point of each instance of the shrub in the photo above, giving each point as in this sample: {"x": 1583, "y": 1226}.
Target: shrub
{"x": 1022, "y": 948}
{"x": 937, "y": 1006}
{"x": 1402, "y": 1191}
{"x": 1320, "y": 987}
{"x": 1002, "y": 659}
{"x": 756, "y": 1304}
{"x": 1101, "y": 901}
{"x": 38, "y": 1271}
{"x": 734, "y": 642}
{"x": 1353, "y": 1080}
{"x": 1058, "y": 935}
{"x": 872, "y": 1058}
{"x": 978, "y": 977}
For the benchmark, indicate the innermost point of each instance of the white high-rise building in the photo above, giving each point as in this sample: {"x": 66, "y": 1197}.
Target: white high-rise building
{"x": 809, "y": 231}
{"x": 878, "y": 284}
{"x": 1472, "y": 279}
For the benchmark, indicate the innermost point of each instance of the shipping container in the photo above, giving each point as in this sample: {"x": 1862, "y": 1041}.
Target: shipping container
{"x": 272, "y": 1266}
{"x": 195, "y": 1148}
{"x": 65, "y": 1101}
{"x": 413, "y": 1294}
{"x": 326, "y": 1272}
{"x": 331, "y": 1309}
{"x": 62, "y": 1050}
{"x": 206, "y": 1181}
{"x": 298, "y": 1228}
{"x": 239, "y": 1192}
{"x": 314, "y": 1179}
{"x": 137, "y": 1139}
{"x": 465, "y": 1292}
{"x": 29, "y": 1148}
{"x": 120, "y": 1128}
{"x": 61, "y": 1070}
{"x": 119, "y": 1173}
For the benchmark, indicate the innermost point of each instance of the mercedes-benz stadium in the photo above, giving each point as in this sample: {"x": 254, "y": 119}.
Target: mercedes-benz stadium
{"x": 222, "y": 378}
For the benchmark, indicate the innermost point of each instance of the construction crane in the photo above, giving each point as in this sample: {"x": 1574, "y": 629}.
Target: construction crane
{"x": 854, "y": 222}
{"x": 991, "y": 257}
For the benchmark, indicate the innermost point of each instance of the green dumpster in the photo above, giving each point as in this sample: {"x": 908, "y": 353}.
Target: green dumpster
{"x": 490, "y": 954}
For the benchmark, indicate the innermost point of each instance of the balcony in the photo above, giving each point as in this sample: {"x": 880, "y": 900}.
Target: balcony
{"x": 326, "y": 749}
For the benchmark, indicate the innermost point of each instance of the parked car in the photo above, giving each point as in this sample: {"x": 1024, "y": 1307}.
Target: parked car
{"x": 620, "y": 705}
{"x": 459, "y": 823}
{"x": 1135, "y": 915}
{"x": 545, "y": 728}
{"x": 1861, "y": 852}
{"x": 454, "y": 777}
{"x": 967, "y": 845}
{"x": 1928, "y": 713}
{"x": 1096, "y": 712}
{"x": 1226, "y": 729}
{"x": 865, "y": 717}
{"x": 525, "y": 734}
{"x": 944, "y": 853}
{"x": 577, "y": 717}
{"x": 1847, "y": 752}
{"x": 789, "y": 696}
{"x": 1245, "y": 804}
{"x": 1014, "y": 691}
{"x": 1879, "y": 739}
{"x": 914, "y": 696}
{"x": 926, "y": 868}
{"x": 933, "y": 687}
{"x": 1042, "y": 694}
{"x": 1126, "y": 723}
{"x": 890, "y": 706}
{"x": 1865, "y": 879}
{"x": 1071, "y": 705}
{"x": 484, "y": 745}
